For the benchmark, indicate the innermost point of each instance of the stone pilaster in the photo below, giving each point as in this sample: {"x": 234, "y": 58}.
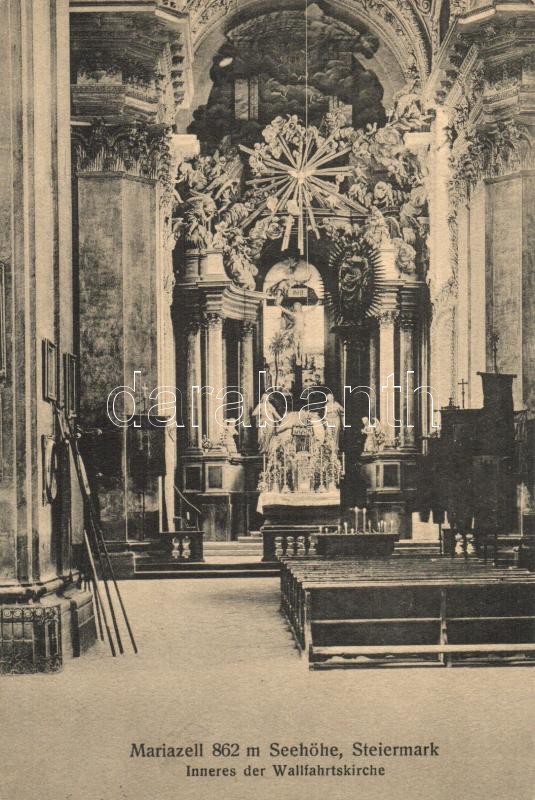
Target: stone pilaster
{"x": 41, "y": 529}
{"x": 131, "y": 74}
{"x": 485, "y": 83}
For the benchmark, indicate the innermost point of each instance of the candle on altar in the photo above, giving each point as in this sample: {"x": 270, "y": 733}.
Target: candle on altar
{"x": 356, "y": 510}
{"x": 345, "y": 527}
{"x": 364, "y": 518}
{"x": 369, "y": 527}
{"x": 343, "y": 463}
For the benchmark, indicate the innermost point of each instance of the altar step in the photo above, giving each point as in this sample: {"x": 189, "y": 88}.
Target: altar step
{"x": 416, "y": 549}
{"x": 224, "y": 566}
{"x": 240, "y": 549}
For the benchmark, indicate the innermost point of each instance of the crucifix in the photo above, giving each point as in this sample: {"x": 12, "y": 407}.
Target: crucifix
{"x": 462, "y": 384}
{"x": 494, "y": 339}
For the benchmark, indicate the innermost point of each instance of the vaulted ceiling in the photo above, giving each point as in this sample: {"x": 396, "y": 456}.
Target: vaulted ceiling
{"x": 410, "y": 28}
{"x": 408, "y": 31}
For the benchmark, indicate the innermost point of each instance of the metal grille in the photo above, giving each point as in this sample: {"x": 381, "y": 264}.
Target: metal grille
{"x": 30, "y": 639}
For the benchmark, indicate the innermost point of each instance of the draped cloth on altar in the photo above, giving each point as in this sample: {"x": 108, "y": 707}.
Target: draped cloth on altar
{"x": 298, "y": 499}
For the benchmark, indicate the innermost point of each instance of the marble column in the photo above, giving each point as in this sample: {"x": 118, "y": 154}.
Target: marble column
{"x": 247, "y": 381}
{"x": 374, "y": 368}
{"x": 387, "y": 403}
{"x": 407, "y": 382}
{"x": 192, "y": 402}
{"x": 214, "y": 371}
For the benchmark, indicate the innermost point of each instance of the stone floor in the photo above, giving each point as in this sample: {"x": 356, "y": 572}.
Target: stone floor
{"x": 217, "y": 664}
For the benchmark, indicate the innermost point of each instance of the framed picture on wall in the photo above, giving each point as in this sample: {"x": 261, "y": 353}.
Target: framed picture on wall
{"x": 50, "y": 370}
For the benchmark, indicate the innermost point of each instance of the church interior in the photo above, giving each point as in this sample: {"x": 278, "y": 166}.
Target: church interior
{"x": 266, "y": 272}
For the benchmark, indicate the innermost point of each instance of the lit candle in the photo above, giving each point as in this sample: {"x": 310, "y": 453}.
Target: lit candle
{"x": 345, "y": 527}
{"x": 356, "y": 518}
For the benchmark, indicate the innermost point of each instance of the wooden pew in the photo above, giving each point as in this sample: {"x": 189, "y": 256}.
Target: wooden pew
{"x": 395, "y": 612}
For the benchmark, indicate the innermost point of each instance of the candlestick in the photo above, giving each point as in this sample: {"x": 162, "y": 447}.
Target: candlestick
{"x": 356, "y": 518}
{"x": 364, "y": 518}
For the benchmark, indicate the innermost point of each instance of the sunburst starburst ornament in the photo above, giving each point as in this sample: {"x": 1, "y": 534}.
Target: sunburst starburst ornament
{"x": 295, "y": 174}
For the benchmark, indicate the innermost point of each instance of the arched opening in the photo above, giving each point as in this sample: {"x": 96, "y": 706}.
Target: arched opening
{"x": 288, "y": 62}
{"x": 293, "y": 330}
{"x": 298, "y": 266}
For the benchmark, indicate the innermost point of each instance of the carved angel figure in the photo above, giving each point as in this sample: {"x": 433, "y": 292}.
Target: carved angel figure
{"x": 267, "y": 418}
{"x": 333, "y": 420}
{"x": 228, "y": 436}
{"x": 375, "y": 435}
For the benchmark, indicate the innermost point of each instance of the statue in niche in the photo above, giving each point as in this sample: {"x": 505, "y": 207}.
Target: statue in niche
{"x": 333, "y": 420}
{"x": 267, "y": 418}
{"x": 293, "y": 321}
{"x": 375, "y": 437}
{"x": 294, "y": 324}
{"x": 228, "y": 436}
